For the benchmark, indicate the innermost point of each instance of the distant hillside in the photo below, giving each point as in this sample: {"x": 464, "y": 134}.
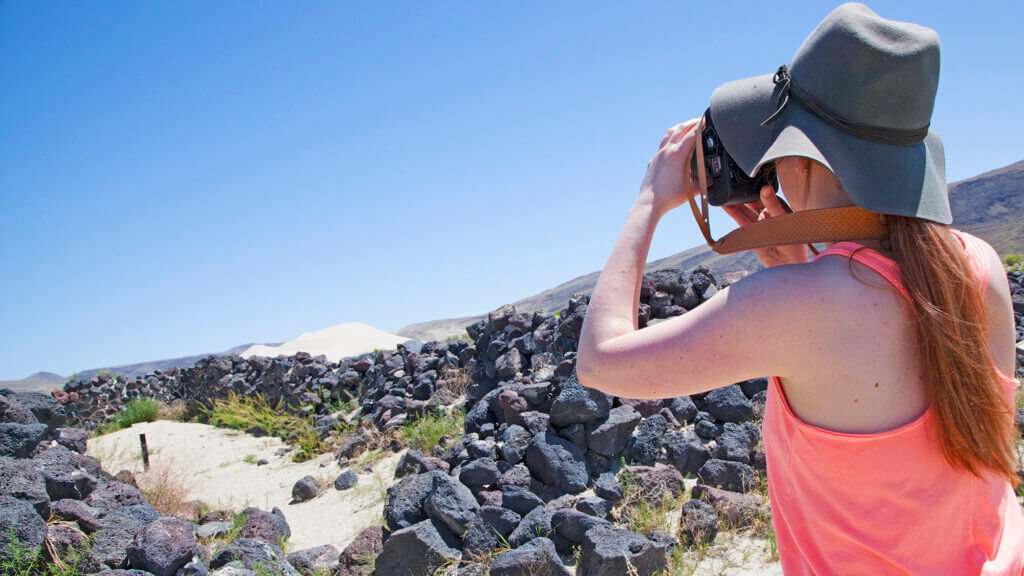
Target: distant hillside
{"x": 990, "y": 206}
{"x": 143, "y": 368}
{"x": 38, "y": 382}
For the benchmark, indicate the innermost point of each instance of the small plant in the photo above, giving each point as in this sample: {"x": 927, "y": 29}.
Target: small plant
{"x": 558, "y": 313}
{"x": 1014, "y": 263}
{"x": 20, "y": 560}
{"x": 167, "y": 486}
{"x": 137, "y": 410}
{"x": 425, "y": 432}
{"x": 454, "y": 337}
{"x": 644, "y": 514}
{"x": 247, "y": 413}
{"x": 250, "y": 459}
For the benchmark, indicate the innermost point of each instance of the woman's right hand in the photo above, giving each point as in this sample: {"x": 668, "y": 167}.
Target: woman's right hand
{"x": 768, "y": 207}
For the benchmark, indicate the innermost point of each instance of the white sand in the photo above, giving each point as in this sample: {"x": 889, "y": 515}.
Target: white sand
{"x": 213, "y": 459}
{"x": 336, "y": 342}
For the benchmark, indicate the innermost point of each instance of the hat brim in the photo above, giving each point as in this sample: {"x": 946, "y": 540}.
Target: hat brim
{"x": 890, "y": 179}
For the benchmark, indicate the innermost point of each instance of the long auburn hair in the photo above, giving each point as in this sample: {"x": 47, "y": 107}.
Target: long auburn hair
{"x": 975, "y": 424}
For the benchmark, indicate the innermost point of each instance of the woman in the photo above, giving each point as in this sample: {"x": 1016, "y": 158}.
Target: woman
{"x": 888, "y": 429}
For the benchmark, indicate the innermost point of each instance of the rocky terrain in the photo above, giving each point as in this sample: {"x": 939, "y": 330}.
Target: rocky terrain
{"x": 534, "y": 484}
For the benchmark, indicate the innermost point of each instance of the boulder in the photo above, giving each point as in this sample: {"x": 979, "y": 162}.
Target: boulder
{"x": 112, "y": 496}
{"x": 305, "y": 489}
{"x": 728, "y": 404}
{"x": 315, "y": 561}
{"x": 725, "y": 474}
{"x": 537, "y": 557}
{"x": 19, "y": 440}
{"x": 579, "y": 404}
{"x": 698, "y": 524}
{"x": 404, "y": 506}
{"x": 608, "y": 551}
{"x": 163, "y": 547}
{"x": 28, "y": 527}
{"x": 344, "y": 481}
{"x": 269, "y": 526}
{"x": 358, "y": 557}
{"x": 685, "y": 451}
{"x": 479, "y": 473}
{"x": 536, "y": 523}
{"x": 655, "y": 483}
{"x": 610, "y": 436}
{"x": 451, "y": 503}
{"x": 644, "y": 447}
{"x": 557, "y": 462}
{"x": 20, "y": 479}
{"x": 417, "y": 550}
{"x": 253, "y": 554}
{"x": 733, "y": 508}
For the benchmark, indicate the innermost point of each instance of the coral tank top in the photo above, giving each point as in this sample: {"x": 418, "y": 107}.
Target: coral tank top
{"x": 886, "y": 502}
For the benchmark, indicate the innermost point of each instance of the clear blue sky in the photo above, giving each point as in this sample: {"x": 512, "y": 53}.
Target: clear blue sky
{"x": 183, "y": 177}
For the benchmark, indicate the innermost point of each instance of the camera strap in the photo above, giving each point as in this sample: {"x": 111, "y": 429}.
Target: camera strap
{"x": 804, "y": 227}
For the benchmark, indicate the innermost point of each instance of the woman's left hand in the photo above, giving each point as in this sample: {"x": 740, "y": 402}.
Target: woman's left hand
{"x": 668, "y": 182}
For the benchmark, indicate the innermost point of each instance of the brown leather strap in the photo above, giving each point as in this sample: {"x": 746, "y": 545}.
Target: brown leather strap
{"x": 804, "y": 227}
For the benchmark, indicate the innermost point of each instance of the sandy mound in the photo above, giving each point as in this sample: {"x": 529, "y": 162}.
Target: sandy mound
{"x": 336, "y": 342}
{"x": 213, "y": 463}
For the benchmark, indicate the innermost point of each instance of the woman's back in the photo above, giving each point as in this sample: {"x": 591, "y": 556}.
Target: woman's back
{"x": 857, "y": 480}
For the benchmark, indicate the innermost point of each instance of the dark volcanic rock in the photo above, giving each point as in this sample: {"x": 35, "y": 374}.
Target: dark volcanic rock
{"x": 644, "y": 447}
{"x": 734, "y": 508}
{"x": 656, "y": 482}
{"x": 163, "y": 547}
{"x": 305, "y": 489}
{"x": 345, "y": 480}
{"x": 725, "y": 474}
{"x": 21, "y": 518}
{"x": 519, "y": 499}
{"x": 314, "y": 561}
{"x": 608, "y": 551}
{"x": 404, "y": 505}
{"x": 368, "y": 544}
{"x": 579, "y": 404}
{"x": 416, "y": 550}
{"x": 112, "y": 496}
{"x": 611, "y": 435}
{"x": 537, "y": 557}
{"x": 74, "y": 439}
{"x": 479, "y": 473}
{"x": 699, "y": 523}
{"x": 536, "y": 523}
{"x": 451, "y": 503}
{"x": 608, "y": 487}
{"x": 19, "y": 440}
{"x": 685, "y": 451}
{"x": 269, "y": 526}
{"x": 57, "y": 464}
{"x": 20, "y": 479}
{"x": 557, "y": 462}
{"x": 252, "y": 553}
{"x": 516, "y": 439}
{"x": 13, "y": 412}
{"x": 573, "y": 524}
{"x": 728, "y": 404}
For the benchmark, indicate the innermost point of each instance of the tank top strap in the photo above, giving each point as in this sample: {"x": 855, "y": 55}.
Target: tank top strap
{"x": 888, "y": 268}
{"x": 885, "y": 267}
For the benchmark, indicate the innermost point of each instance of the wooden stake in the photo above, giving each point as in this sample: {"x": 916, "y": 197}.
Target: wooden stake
{"x": 145, "y": 452}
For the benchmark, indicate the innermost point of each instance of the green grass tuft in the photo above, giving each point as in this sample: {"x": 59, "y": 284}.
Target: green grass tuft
{"x": 138, "y": 410}
{"x": 425, "y": 432}
{"x": 248, "y": 413}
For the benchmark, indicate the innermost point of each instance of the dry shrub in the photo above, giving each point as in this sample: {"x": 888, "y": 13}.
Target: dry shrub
{"x": 167, "y": 486}
{"x": 454, "y": 380}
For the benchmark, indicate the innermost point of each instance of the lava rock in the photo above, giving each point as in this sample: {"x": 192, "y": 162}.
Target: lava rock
{"x": 416, "y": 550}
{"x": 21, "y": 518}
{"x": 404, "y": 506}
{"x": 611, "y": 435}
{"x": 608, "y": 487}
{"x": 655, "y": 483}
{"x": 725, "y": 474}
{"x": 163, "y": 547}
{"x": 367, "y": 544}
{"x": 20, "y": 479}
{"x": 685, "y": 451}
{"x": 253, "y": 552}
{"x": 608, "y": 551}
{"x": 314, "y": 561}
{"x": 516, "y": 439}
{"x": 728, "y": 404}
{"x": 536, "y": 523}
{"x": 557, "y": 462}
{"x": 112, "y": 496}
{"x": 733, "y": 508}
{"x": 270, "y": 526}
{"x": 579, "y": 404}
{"x": 479, "y": 473}
{"x": 644, "y": 447}
{"x": 699, "y": 523}
{"x": 451, "y": 503}
{"x": 19, "y": 440}
{"x": 344, "y": 481}
{"x": 537, "y": 557}
{"x": 573, "y": 524}
{"x": 683, "y": 408}
{"x": 74, "y": 439}
{"x": 57, "y": 464}
{"x": 520, "y": 500}
{"x": 305, "y": 489}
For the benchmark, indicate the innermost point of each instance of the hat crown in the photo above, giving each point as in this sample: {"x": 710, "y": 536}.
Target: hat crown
{"x": 870, "y": 70}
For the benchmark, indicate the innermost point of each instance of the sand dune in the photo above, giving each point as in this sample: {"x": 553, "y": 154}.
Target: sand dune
{"x": 336, "y": 342}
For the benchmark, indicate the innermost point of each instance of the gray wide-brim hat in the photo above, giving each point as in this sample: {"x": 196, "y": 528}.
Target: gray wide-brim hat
{"x": 857, "y": 97}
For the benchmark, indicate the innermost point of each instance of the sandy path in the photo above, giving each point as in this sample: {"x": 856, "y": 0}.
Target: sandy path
{"x": 213, "y": 460}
